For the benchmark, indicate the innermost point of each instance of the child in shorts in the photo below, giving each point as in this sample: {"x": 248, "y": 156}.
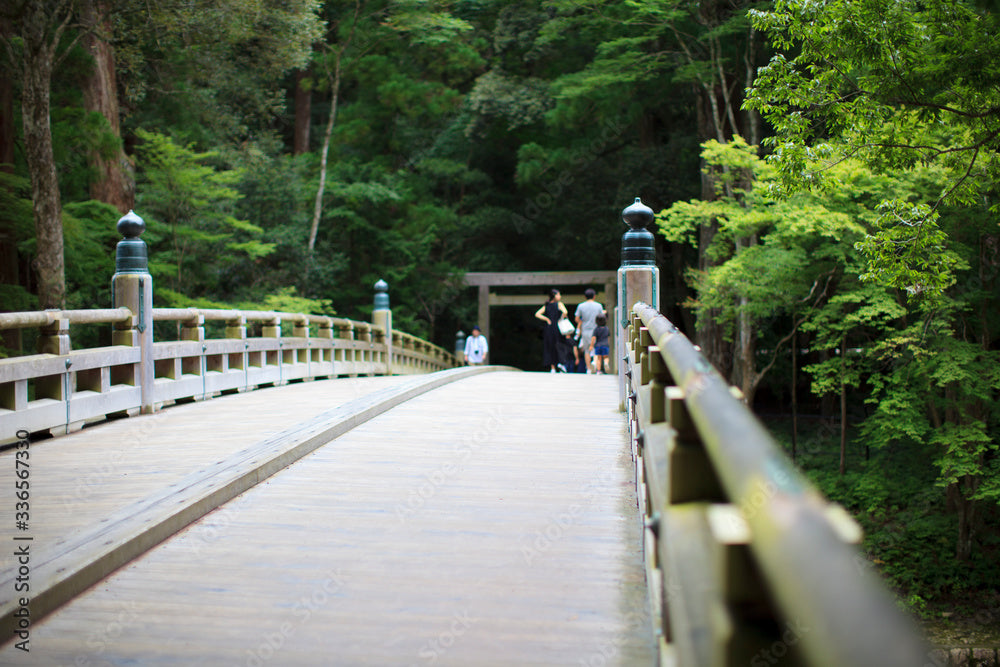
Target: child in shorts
{"x": 599, "y": 344}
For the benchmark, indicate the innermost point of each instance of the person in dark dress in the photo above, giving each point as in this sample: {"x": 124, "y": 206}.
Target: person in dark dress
{"x": 551, "y": 313}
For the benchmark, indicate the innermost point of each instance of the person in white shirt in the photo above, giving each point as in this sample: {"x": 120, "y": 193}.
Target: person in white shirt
{"x": 586, "y": 321}
{"x": 476, "y": 348}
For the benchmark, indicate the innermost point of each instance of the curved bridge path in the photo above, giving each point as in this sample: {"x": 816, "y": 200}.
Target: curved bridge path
{"x": 471, "y": 517}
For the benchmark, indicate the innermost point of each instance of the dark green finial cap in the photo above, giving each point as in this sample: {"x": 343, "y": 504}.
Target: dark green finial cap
{"x": 381, "y": 295}
{"x": 131, "y": 255}
{"x": 637, "y": 243}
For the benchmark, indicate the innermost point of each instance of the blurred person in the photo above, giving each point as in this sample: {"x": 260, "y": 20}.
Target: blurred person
{"x": 551, "y": 313}
{"x": 586, "y": 316}
{"x": 476, "y": 348}
{"x": 599, "y": 344}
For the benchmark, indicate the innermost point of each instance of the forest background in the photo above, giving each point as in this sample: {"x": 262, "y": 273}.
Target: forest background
{"x": 825, "y": 174}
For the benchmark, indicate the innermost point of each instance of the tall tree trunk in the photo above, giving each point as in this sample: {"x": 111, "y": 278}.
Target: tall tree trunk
{"x": 709, "y": 334}
{"x": 318, "y": 208}
{"x": 745, "y": 374}
{"x": 41, "y": 31}
{"x": 744, "y": 367}
{"x": 795, "y": 393}
{"x": 114, "y": 183}
{"x": 9, "y": 338}
{"x": 843, "y": 404}
{"x": 958, "y": 495}
{"x": 6, "y": 107}
{"x": 753, "y": 120}
{"x": 303, "y": 114}
{"x": 334, "y": 97}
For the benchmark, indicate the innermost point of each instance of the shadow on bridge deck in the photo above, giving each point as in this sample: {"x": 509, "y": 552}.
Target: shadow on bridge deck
{"x": 490, "y": 520}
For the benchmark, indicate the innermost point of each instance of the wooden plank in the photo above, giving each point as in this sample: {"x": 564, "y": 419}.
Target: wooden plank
{"x": 548, "y": 278}
{"x": 535, "y": 300}
{"x": 83, "y": 557}
{"x": 489, "y": 522}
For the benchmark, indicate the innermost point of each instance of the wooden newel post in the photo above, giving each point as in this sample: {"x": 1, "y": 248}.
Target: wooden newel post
{"x": 460, "y": 347}
{"x": 638, "y": 279}
{"x": 382, "y": 317}
{"x": 132, "y": 288}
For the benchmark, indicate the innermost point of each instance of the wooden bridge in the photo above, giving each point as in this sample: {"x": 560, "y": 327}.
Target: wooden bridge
{"x": 350, "y": 495}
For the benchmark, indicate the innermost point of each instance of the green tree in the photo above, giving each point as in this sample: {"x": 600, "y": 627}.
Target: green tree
{"x": 34, "y": 51}
{"x": 880, "y": 77}
{"x": 194, "y": 202}
{"x": 209, "y": 72}
{"x": 670, "y": 62}
{"x": 911, "y": 90}
{"x": 773, "y": 260}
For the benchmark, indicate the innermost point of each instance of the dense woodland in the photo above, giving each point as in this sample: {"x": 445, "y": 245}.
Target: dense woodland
{"x": 825, "y": 175}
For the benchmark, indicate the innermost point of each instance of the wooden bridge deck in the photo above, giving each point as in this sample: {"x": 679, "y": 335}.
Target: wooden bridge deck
{"x": 489, "y": 521}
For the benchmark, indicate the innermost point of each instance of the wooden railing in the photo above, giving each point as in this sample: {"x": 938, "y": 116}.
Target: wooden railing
{"x": 747, "y": 563}
{"x": 62, "y": 389}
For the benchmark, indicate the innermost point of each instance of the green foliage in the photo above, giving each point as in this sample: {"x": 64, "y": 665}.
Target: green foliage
{"x": 208, "y": 72}
{"x": 287, "y": 301}
{"x": 90, "y": 235}
{"x": 880, "y": 78}
{"x": 773, "y": 256}
{"x": 909, "y": 532}
{"x": 193, "y": 201}
{"x": 909, "y": 251}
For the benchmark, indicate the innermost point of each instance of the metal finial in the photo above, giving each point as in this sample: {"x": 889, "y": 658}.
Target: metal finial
{"x": 637, "y": 242}
{"x": 131, "y": 255}
{"x": 638, "y": 215}
{"x": 131, "y": 226}
{"x": 381, "y": 295}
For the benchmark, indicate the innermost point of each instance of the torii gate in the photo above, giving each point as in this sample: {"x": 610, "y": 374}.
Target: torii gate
{"x": 487, "y": 280}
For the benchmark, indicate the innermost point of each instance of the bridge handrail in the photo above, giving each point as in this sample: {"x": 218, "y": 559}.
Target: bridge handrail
{"x": 779, "y": 555}
{"x": 226, "y": 315}
{"x": 60, "y": 389}
{"x": 42, "y": 318}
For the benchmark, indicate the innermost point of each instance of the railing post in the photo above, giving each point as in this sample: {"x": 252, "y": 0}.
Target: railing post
{"x": 325, "y": 334}
{"x": 300, "y": 329}
{"x": 638, "y": 280}
{"x": 460, "y": 347}
{"x": 194, "y": 329}
{"x": 132, "y": 288}
{"x": 272, "y": 329}
{"x": 363, "y": 333}
{"x": 53, "y": 338}
{"x": 345, "y": 355}
{"x": 382, "y": 317}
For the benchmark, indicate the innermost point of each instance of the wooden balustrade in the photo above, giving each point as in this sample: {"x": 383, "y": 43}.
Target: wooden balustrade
{"x": 61, "y": 389}
{"x": 747, "y": 563}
